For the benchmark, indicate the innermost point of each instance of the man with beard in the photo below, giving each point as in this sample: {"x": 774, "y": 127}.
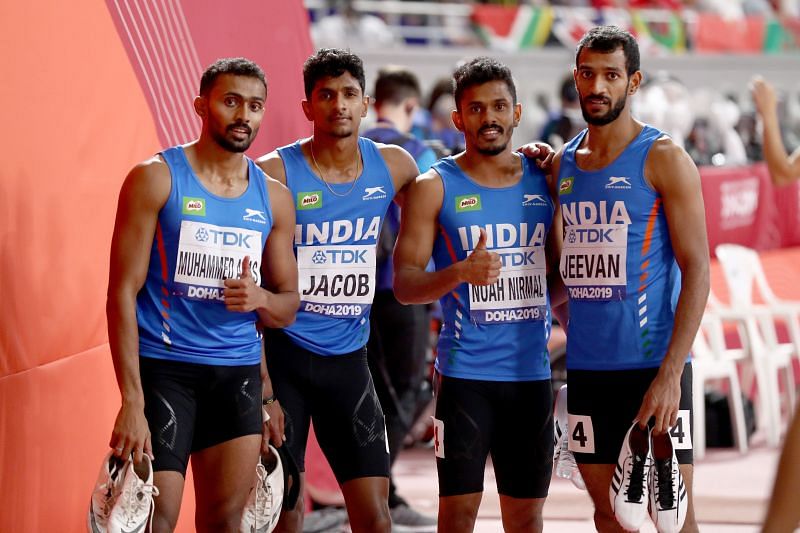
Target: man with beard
{"x": 342, "y": 185}
{"x": 200, "y": 230}
{"x": 485, "y": 216}
{"x": 635, "y": 263}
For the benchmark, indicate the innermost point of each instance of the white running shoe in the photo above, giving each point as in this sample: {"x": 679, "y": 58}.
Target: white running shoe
{"x": 263, "y": 508}
{"x": 564, "y": 464}
{"x": 105, "y": 493}
{"x": 668, "y": 499}
{"x": 629, "y": 486}
{"x": 134, "y": 506}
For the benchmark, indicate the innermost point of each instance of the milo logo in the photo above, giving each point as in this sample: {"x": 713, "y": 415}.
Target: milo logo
{"x": 194, "y": 206}
{"x": 309, "y": 200}
{"x": 565, "y": 185}
{"x": 468, "y": 202}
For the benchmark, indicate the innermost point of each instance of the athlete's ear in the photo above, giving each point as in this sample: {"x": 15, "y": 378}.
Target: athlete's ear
{"x": 365, "y": 106}
{"x": 635, "y": 81}
{"x": 517, "y": 113}
{"x": 200, "y": 106}
{"x": 307, "y": 110}
{"x": 455, "y": 116}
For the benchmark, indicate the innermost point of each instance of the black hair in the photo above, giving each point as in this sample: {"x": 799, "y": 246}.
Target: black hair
{"x": 607, "y": 39}
{"x": 331, "y": 62}
{"x": 238, "y": 66}
{"x": 479, "y": 71}
{"x": 394, "y": 84}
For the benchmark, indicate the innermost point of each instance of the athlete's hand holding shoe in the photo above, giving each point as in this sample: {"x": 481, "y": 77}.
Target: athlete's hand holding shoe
{"x": 131, "y": 435}
{"x": 481, "y": 267}
{"x": 662, "y": 401}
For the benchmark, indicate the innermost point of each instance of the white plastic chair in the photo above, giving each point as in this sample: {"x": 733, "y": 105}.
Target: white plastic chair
{"x": 712, "y": 360}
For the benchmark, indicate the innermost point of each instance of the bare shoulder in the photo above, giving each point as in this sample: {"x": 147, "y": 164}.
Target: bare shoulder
{"x": 428, "y": 186}
{"x": 401, "y": 165}
{"x": 272, "y": 165}
{"x": 669, "y": 165}
{"x": 278, "y": 192}
{"x": 148, "y": 182}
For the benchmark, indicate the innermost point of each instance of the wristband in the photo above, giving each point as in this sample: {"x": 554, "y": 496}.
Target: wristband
{"x": 267, "y": 401}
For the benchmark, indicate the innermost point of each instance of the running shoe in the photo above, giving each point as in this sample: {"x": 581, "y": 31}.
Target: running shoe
{"x": 668, "y": 498}
{"x": 134, "y": 506}
{"x": 629, "y": 486}
{"x": 105, "y": 493}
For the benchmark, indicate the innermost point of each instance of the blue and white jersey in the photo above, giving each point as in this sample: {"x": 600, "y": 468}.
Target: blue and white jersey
{"x": 201, "y": 239}
{"x": 335, "y": 240}
{"x": 617, "y": 262}
{"x": 497, "y": 332}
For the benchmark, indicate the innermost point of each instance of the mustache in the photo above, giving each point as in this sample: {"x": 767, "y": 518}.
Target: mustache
{"x": 598, "y": 98}
{"x": 240, "y": 125}
{"x": 491, "y": 127}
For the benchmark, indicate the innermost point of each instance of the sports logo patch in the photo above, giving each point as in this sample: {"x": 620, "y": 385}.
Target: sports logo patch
{"x": 565, "y": 185}
{"x": 309, "y": 200}
{"x": 194, "y": 206}
{"x": 468, "y": 202}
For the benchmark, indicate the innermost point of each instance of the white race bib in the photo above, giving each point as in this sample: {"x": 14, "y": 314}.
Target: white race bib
{"x": 520, "y": 294}
{"x": 593, "y": 261}
{"x": 336, "y": 281}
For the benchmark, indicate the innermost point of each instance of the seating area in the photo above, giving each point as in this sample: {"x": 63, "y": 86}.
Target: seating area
{"x": 749, "y": 341}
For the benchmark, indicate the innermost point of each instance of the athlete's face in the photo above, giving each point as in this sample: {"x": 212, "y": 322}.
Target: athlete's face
{"x": 603, "y": 85}
{"x": 337, "y": 106}
{"x": 487, "y": 116}
{"x": 232, "y": 111}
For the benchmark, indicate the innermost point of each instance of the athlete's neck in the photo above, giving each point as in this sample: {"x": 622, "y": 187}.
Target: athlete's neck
{"x": 502, "y": 169}
{"x": 611, "y": 138}
{"x": 214, "y": 164}
{"x": 335, "y": 157}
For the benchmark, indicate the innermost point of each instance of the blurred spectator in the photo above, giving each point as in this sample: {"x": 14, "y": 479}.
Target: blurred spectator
{"x": 783, "y": 168}
{"x": 440, "y": 123}
{"x": 347, "y": 28}
{"x": 566, "y": 122}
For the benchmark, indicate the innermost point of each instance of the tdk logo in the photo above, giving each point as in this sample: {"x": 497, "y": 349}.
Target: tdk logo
{"x": 533, "y": 199}
{"x": 339, "y": 257}
{"x": 618, "y": 182}
{"x": 373, "y": 193}
{"x": 223, "y": 238}
{"x": 590, "y": 236}
{"x": 253, "y": 215}
{"x": 515, "y": 259}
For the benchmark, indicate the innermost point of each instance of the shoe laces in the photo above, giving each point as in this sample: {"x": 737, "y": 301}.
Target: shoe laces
{"x": 135, "y": 497}
{"x": 263, "y": 499}
{"x": 106, "y": 490}
{"x": 665, "y": 495}
{"x": 635, "y": 489}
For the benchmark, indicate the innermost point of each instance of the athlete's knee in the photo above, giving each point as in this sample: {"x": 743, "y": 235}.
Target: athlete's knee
{"x": 374, "y": 519}
{"x": 291, "y": 520}
{"x": 163, "y": 522}
{"x": 606, "y": 522}
{"x": 227, "y": 519}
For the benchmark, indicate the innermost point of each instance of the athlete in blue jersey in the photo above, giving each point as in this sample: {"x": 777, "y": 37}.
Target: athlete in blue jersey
{"x": 342, "y": 185}
{"x": 200, "y": 230}
{"x": 635, "y": 263}
{"x": 485, "y": 216}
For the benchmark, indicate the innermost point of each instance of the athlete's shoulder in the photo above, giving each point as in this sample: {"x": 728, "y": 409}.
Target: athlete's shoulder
{"x": 668, "y": 165}
{"x": 272, "y": 165}
{"x": 401, "y": 165}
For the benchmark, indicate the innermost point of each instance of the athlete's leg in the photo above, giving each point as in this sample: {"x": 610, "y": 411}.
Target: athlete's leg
{"x": 690, "y": 524}
{"x": 168, "y": 502}
{"x": 457, "y": 514}
{"x": 223, "y": 477}
{"x": 598, "y": 480}
{"x": 521, "y": 515}
{"x": 367, "y": 504}
{"x": 291, "y": 520}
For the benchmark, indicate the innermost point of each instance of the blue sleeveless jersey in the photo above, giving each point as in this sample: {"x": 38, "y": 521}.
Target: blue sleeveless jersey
{"x": 497, "y": 332}
{"x": 335, "y": 240}
{"x": 617, "y": 262}
{"x": 201, "y": 239}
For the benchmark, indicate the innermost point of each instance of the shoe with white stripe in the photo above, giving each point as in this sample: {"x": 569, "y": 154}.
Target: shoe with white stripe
{"x": 105, "y": 493}
{"x": 630, "y": 485}
{"x": 668, "y": 499}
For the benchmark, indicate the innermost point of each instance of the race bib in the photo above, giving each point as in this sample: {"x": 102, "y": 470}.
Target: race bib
{"x": 209, "y": 254}
{"x": 336, "y": 281}
{"x": 593, "y": 261}
{"x": 520, "y": 292}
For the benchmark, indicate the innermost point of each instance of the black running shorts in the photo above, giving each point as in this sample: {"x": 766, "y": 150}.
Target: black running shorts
{"x": 603, "y": 404}
{"x": 512, "y": 421}
{"x": 338, "y": 395}
{"x": 190, "y": 407}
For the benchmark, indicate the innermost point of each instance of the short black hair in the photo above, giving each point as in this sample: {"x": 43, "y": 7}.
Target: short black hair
{"x": 331, "y": 62}
{"x": 607, "y": 39}
{"x": 479, "y": 71}
{"x": 238, "y": 66}
{"x": 394, "y": 84}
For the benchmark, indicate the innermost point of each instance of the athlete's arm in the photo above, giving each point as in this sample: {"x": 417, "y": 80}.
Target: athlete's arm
{"x": 402, "y": 167}
{"x": 783, "y": 168}
{"x": 272, "y": 165}
{"x": 784, "y": 513}
{"x": 143, "y": 194}
{"x": 553, "y": 246}
{"x": 672, "y": 173}
{"x": 418, "y": 227}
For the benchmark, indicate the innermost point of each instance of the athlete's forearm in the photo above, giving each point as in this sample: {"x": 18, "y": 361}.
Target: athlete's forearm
{"x": 775, "y": 152}
{"x": 123, "y": 337}
{"x": 688, "y": 314}
{"x": 414, "y": 285}
{"x": 784, "y": 513}
{"x": 279, "y": 308}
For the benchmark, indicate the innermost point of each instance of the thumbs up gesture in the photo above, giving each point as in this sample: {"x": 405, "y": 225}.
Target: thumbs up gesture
{"x": 481, "y": 267}
{"x": 242, "y": 294}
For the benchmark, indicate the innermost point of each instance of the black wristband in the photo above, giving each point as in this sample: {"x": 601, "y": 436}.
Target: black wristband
{"x": 267, "y": 401}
